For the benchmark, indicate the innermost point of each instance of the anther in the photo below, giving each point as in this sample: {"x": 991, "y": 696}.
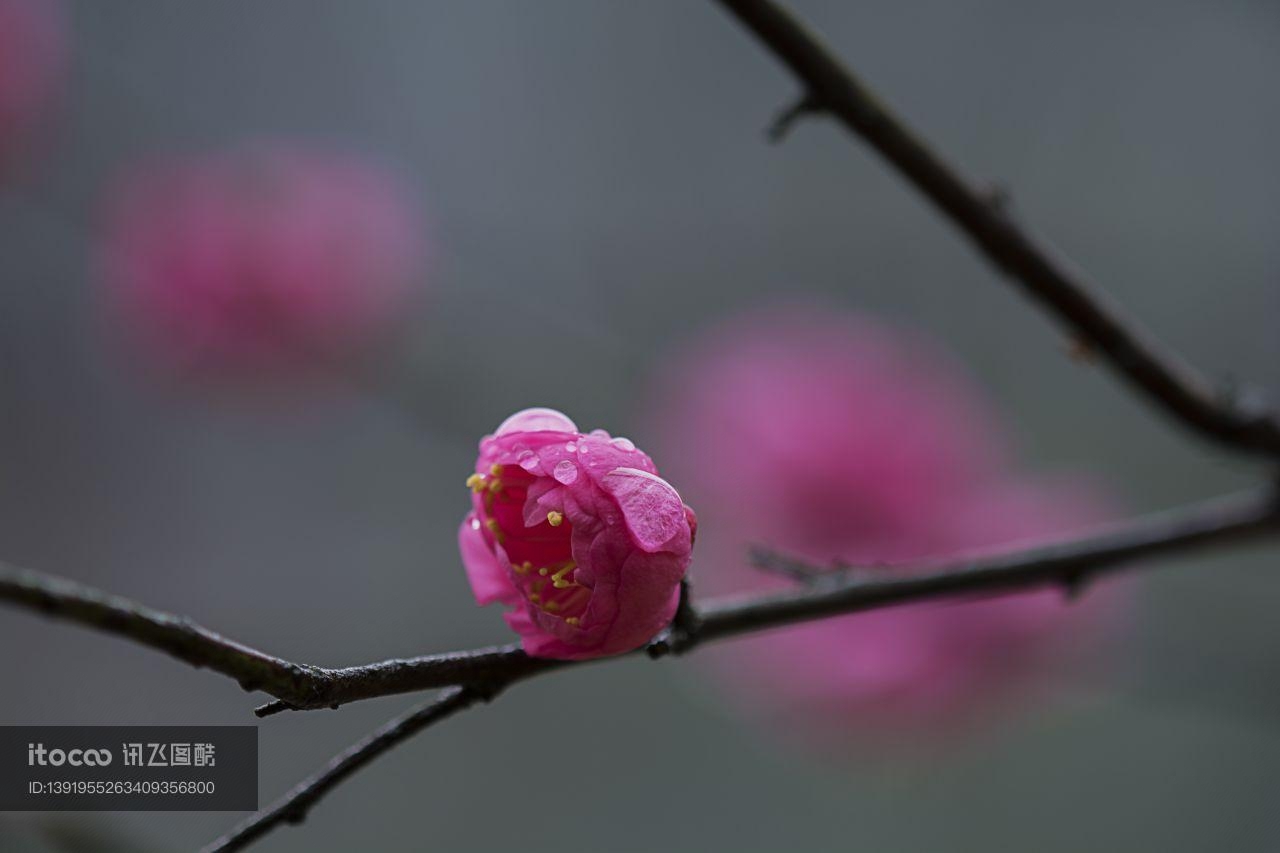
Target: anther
{"x": 475, "y": 482}
{"x": 555, "y": 519}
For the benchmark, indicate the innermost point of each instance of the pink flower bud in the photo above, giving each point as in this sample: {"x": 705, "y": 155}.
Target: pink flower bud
{"x": 576, "y": 533}
{"x": 259, "y": 262}
{"x": 32, "y": 67}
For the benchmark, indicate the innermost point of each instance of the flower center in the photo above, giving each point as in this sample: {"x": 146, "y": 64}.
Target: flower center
{"x": 541, "y": 556}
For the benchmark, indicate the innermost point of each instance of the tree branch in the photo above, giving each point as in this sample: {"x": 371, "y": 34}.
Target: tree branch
{"x": 176, "y": 635}
{"x": 293, "y": 807}
{"x": 1070, "y": 564}
{"x": 1238, "y": 424}
{"x": 300, "y": 686}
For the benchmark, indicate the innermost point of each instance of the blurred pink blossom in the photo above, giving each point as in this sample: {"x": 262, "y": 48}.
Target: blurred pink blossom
{"x": 832, "y": 437}
{"x": 259, "y": 261}
{"x": 33, "y": 58}
{"x": 577, "y": 534}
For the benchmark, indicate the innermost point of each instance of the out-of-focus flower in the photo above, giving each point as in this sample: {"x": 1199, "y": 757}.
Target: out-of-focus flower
{"x": 832, "y": 437}
{"x": 33, "y": 57}
{"x": 268, "y": 260}
{"x": 576, "y": 533}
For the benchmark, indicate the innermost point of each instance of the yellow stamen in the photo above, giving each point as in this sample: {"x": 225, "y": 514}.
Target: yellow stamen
{"x": 570, "y": 566}
{"x": 495, "y": 470}
{"x": 551, "y": 607}
{"x": 555, "y": 519}
{"x": 492, "y": 524}
{"x": 522, "y": 568}
{"x": 495, "y": 486}
{"x": 572, "y": 620}
{"x": 543, "y": 571}
{"x": 475, "y": 482}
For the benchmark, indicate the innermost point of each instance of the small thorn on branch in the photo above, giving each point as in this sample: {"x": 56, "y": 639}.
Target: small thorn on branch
{"x": 783, "y": 122}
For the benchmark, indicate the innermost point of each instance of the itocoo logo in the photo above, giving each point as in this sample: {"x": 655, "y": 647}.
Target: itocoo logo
{"x": 38, "y": 755}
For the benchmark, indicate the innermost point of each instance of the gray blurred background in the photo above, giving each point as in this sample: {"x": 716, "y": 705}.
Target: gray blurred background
{"x": 599, "y": 186}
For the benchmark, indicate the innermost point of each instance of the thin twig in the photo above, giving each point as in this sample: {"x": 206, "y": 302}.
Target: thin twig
{"x": 293, "y": 807}
{"x": 787, "y": 566}
{"x": 1233, "y": 422}
{"x": 785, "y": 120}
{"x": 299, "y": 686}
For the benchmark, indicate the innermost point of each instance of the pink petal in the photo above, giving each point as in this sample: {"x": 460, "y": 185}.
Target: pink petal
{"x": 489, "y": 580}
{"x": 537, "y": 420}
{"x": 651, "y": 508}
{"x": 543, "y": 496}
{"x": 650, "y": 587}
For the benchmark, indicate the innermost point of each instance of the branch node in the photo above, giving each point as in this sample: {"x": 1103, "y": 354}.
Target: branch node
{"x": 659, "y": 648}
{"x": 682, "y": 634}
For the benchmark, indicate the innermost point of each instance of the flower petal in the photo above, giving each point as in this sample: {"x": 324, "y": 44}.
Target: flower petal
{"x": 650, "y": 587}
{"x": 489, "y": 580}
{"x": 536, "y": 420}
{"x": 651, "y": 508}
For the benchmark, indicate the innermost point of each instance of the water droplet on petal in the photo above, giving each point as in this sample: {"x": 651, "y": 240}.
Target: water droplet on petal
{"x": 624, "y": 444}
{"x": 529, "y": 461}
{"x": 599, "y": 433}
{"x": 571, "y": 447}
{"x": 565, "y": 472}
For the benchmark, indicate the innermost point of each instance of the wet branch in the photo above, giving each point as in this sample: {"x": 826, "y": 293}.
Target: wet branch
{"x": 292, "y": 808}
{"x": 1069, "y": 564}
{"x": 1232, "y": 421}
{"x": 295, "y": 686}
